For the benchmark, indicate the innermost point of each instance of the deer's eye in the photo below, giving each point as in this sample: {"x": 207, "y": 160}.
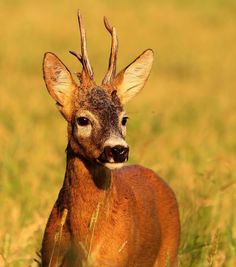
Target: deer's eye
{"x": 124, "y": 121}
{"x": 82, "y": 121}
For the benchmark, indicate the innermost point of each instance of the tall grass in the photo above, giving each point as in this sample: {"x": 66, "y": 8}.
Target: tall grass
{"x": 182, "y": 125}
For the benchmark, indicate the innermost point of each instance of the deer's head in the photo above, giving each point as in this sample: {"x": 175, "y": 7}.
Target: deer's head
{"x": 95, "y": 114}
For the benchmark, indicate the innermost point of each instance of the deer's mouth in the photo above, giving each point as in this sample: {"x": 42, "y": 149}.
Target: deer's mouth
{"x": 112, "y": 166}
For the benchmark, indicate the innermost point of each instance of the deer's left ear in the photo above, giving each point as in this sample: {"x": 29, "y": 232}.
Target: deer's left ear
{"x": 133, "y": 78}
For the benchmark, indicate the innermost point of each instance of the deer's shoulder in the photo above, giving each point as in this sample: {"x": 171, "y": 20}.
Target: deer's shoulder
{"x": 139, "y": 177}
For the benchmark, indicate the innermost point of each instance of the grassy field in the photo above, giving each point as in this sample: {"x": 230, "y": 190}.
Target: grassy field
{"x": 183, "y": 124}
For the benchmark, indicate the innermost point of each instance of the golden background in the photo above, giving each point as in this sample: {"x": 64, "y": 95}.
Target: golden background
{"x": 182, "y": 125}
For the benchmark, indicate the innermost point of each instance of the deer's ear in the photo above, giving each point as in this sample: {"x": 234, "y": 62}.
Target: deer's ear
{"x": 59, "y": 82}
{"x": 133, "y": 78}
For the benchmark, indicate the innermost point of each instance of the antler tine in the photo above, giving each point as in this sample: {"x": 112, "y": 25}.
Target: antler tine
{"x": 78, "y": 56}
{"x": 85, "y": 60}
{"x": 107, "y": 25}
{"x": 113, "y": 54}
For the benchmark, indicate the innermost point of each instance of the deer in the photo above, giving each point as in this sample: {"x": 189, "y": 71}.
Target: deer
{"x": 106, "y": 214}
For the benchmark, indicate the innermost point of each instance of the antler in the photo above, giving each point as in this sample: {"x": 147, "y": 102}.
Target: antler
{"x": 113, "y": 54}
{"x": 83, "y": 58}
{"x": 78, "y": 56}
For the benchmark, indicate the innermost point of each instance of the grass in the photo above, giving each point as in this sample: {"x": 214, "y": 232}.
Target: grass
{"x": 182, "y": 124}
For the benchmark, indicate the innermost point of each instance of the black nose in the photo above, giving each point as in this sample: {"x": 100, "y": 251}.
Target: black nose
{"x": 114, "y": 154}
{"x": 119, "y": 151}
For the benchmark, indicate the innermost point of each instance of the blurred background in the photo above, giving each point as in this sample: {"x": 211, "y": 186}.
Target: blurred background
{"x": 182, "y": 124}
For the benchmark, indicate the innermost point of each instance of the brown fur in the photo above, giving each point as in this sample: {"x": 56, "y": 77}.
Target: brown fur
{"x": 137, "y": 209}
{"x": 125, "y": 217}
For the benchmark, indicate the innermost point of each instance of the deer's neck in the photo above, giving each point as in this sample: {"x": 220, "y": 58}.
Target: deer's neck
{"x": 86, "y": 177}
{"x": 90, "y": 188}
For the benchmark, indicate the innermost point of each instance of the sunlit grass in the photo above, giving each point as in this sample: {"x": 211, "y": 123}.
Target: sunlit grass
{"x": 182, "y": 125}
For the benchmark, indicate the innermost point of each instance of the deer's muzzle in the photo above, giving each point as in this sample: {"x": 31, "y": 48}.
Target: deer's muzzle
{"x": 115, "y": 154}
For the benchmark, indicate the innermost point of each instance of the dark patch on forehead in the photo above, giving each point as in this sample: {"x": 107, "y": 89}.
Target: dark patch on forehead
{"x": 106, "y": 106}
{"x": 98, "y": 99}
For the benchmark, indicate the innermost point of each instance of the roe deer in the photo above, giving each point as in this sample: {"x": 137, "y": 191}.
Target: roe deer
{"x": 106, "y": 214}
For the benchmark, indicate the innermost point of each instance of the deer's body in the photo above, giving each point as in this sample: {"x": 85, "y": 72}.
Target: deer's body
{"x": 105, "y": 217}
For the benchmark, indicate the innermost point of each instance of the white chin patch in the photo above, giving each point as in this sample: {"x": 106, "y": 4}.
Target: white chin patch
{"x": 113, "y": 166}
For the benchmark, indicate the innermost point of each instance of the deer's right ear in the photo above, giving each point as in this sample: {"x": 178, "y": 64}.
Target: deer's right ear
{"x": 59, "y": 82}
